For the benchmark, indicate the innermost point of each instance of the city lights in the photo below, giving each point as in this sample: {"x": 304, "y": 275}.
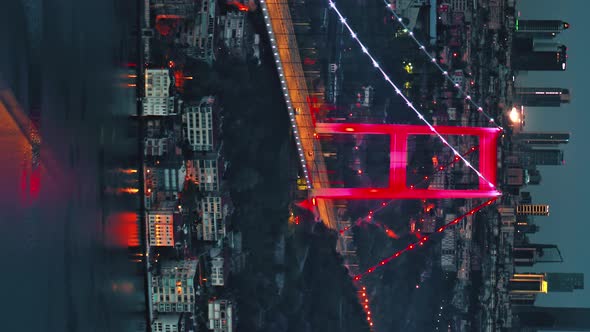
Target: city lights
{"x": 444, "y": 73}
{"x": 404, "y": 97}
{"x": 382, "y": 205}
{"x": 422, "y": 240}
{"x": 515, "y": 115}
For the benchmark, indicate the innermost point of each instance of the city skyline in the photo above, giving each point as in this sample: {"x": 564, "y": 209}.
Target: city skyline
{"x": 565, "y": 227}
{"x": 234, "y": 202}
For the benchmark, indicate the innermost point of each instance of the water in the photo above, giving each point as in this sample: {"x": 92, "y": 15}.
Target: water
{"x": 70, "y": 236}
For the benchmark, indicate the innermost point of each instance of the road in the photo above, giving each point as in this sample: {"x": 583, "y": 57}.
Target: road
{"x": 284, "y": 45}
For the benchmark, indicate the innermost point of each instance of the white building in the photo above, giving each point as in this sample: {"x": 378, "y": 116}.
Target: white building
{"x": 232, "y": 33}
{"x": 171, "y": 180}
{"x": 208, "y": 174}
{"x": 167, "y": 323}
{"x": 459, "y": 5}
{"x": 213, "y": 226}
{"x": 199, "y": 34}
{"x": 160, "y": 106}
{"x": 221, "y": 316}
{"x": 157, "y": 99}
{"x": 197, "y": 122}
{"x": 157, "y": 83}
{"x": 449, "y": 248}
{"x": 217, "y": 267}
{"x": 156, "y": 147}
{"x": 368, "y": 96}
{"x": 173, "y": 290}
{"x": 161, "y": 228}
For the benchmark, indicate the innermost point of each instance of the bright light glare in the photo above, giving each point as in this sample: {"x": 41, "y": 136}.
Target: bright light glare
{"x": 514, "y": 115}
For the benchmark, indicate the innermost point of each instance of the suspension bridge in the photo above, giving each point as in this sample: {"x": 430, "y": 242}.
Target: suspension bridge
{"x": 308, "y": 131}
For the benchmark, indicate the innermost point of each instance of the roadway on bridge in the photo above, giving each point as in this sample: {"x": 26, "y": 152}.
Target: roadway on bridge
{"x": 286, "y": 45}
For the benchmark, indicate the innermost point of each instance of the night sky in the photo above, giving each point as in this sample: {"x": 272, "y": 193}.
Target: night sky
{"x": 564, "y": 187}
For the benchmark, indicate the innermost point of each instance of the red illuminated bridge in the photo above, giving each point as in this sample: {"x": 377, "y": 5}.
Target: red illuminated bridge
{"x": 306, "y": 132}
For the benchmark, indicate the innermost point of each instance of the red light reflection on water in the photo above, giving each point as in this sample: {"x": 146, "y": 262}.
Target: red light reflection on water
{"x": 35, "y": 185}
{"x": 122, "y": 230}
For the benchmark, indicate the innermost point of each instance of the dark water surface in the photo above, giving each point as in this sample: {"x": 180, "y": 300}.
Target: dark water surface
{"x": 70, "y": 246}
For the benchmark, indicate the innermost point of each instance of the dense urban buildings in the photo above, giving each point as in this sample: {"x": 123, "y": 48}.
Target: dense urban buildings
{"x": 194, "y": 249}
{"x": 542, "y": 97}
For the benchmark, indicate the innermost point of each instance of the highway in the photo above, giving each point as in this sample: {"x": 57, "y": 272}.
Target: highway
{"x": 284, "y": 44}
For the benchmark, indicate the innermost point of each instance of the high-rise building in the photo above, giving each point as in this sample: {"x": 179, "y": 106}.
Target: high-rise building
{"x": 542, "y": 139}
{"x": 156, "y": 147}
{"x": 533, "y": 209}
{"x": 213, "y": 223}
{"x": 173, "y": 289}
{"x": 448, "y": 257}
{"x": 157, "y": 100}
{"x": 218, "y": 267}
{"x": 207, "y": 172}
{"x": 535, "y": 283}
{"x": 459, "y": 5}
{"x": 170, "y": 322}
{"x": 202, "y": 36}
{"x": 542, "y": 97}
{"x": 232, "y": 31}
{"x": 182, "y": 8}
{"x": 541, "y": 28}
{"x": 533, "y": 176}
{"x": 221, "y": 315}
{"x": 198, "y": 126}
{"x": 522, "y": 299}
{"x": 531, "y": 253}
{"x": 553, "y": 60}
{"x": 528, "y": 283}
{"x": 161, "y": 228}
{"x": 551, "y": 319}
{"x": 168, "y": 178}
{"x": 565, "y": 282}
{"x": 543, "y": 157}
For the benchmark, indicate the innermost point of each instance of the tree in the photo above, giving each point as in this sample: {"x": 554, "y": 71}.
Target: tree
{"x": 245, "y": 179}
{"x": 190, "y": 195}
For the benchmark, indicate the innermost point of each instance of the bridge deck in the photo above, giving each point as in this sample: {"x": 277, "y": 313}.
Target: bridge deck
{"x": 286, "y": 53}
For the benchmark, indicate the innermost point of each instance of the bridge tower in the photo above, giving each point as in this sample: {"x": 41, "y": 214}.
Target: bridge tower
{"x": 398, "y": 188}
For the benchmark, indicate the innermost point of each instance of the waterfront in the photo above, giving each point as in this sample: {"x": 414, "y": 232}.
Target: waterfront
{"x": 70, "y": 219}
